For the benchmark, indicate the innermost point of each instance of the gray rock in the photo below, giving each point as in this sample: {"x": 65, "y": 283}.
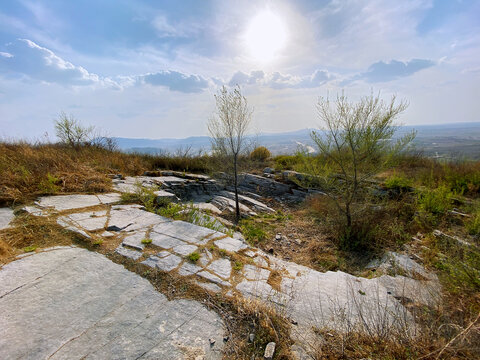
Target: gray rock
{"x": 128, "y": 253}
{"x": 186, "y": 232}
{"x": 184, "y": 250}
{"x": 130, "y": 217}
{"x": 151, "y": 261}
{"x": 135, "y": 240}
{"x": 255, "y": 273}
{"x": 269, "y": 170}
{"x": 88, "y": 221}
{"x": 268, "y": 187}
{"x": 213, "y": 278}
{"x": 221, "y": 267}
{"x": 269, "y": 351}
{"x": 6, "y": 216}
{"x": 78, "y": 304}
{"x": 188, "y": 269}
{"x": 68, "y": 202}
{"x": 255, "y": 204}
{"x": 168, "y": 263}
{"x": 165, "y": 241}
{"x": 230, "y": 244}
{"x": 210, "y": 287}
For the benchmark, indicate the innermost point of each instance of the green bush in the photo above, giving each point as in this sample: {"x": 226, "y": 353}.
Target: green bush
{"x": 260, "y": 153}
{"x": 49, "y": 185}
{"x": 473, "y": 224}
{"x": 253, "y": 232}
{"x": 398, "y": 183}
{"x": 436, "y": 201}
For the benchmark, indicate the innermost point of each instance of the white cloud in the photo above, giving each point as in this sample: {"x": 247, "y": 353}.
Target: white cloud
{"x": 277, "y": 80}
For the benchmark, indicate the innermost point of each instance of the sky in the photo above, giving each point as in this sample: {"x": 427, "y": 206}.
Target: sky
{"x": 150, "y": 69}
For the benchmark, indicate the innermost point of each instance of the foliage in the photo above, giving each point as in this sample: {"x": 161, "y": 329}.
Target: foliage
{"x": 355, "y": 144}
{"x": 253, "y": 232}
{"x": 436, "y": 201}
{"x": 260, "y": 153}
{"x": 193, "y": 257}
{"x": 70, "y": 132}
{"x": 398, "y": 183}
{"x": 146, "y": 241}
{"x": 49, "y": 185}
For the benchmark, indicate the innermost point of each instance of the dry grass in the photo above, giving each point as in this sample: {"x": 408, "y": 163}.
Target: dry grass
{"x": 29, "y": 170}
{"x": 30, "y": 233}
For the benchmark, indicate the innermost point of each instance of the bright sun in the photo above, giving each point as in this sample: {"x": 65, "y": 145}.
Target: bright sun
{"x": 266, "y": 36}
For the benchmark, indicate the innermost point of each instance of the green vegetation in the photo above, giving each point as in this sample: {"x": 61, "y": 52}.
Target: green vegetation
{"x": 146, "y": 241}
{"x": 260, "y": 153}
{"x": 30, "y": 248}
{"x": 193, "y": 257}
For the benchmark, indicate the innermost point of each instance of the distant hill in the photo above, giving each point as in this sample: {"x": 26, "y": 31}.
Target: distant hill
{"x": 455, "y": 140}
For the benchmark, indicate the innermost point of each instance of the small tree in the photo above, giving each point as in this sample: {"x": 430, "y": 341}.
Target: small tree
{"x": 356, "y": 143}
{"x": 228, "y": 128}
{"x": 71, "y": 132}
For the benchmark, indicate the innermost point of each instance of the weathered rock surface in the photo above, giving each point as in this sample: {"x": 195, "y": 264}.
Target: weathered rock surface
{"x": 68, "y": 202}
{"x": 6, "y": 216}
{"x": 310, "y": 298}
{"x": 72, "y": 304}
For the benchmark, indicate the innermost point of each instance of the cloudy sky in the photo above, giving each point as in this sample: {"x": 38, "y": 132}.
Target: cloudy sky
{"x": 140, "y": 68}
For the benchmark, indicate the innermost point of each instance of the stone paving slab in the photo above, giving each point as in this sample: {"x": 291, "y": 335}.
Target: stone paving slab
{"x": 185, "y": 231}
{"x": 72, "y": 304}
{"x": 69, "y": 202}
{"x": 6, "y": 216}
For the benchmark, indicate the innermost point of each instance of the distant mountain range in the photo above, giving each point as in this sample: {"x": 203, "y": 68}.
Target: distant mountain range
{"x": 445, "y": 140}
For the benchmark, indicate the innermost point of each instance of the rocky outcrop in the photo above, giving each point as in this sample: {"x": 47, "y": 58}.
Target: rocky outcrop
{"x": 70, "y": 303}
{"x": 311, "y": 299}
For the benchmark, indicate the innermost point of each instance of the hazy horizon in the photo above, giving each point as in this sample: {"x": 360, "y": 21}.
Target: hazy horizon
{"x": 149, "y": 70}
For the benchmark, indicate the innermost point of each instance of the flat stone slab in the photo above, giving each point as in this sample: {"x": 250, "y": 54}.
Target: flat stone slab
{"x": 221, "y": 267}
{"x": 68, "y": 202}
{"x": 131, "y": 217}
{"x": 72, "y": 304}
{"x": 6, "y": 216}
{"x": 128, "y": 253}
{"x": 186, "y": 231}
{"x": 230, "y": 244}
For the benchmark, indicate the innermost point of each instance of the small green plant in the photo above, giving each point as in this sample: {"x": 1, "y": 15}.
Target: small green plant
{"x": 238, "y": 265}
{"x": 398, "y": 183}
{"x": 253, "y": 232}
{"x": 49, "y": 185}
{"x": 436, "y": 201}
{"x": 193, "y": 257}
{"x": 98, "y": 242}
{"x": 473, "y": 224}
{"x": 146, "y": 241}
{"x": 30, "y": 248}
{"x": 172, "y": 210}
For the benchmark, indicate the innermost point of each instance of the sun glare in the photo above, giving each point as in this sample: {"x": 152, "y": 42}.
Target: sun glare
{"x": 266, "y": 36}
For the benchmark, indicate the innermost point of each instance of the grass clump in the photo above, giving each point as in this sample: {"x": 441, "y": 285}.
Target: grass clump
{"x": 28, "y": 249}
{"x": 146, "y": 241}
{"x": 193, "y": 257}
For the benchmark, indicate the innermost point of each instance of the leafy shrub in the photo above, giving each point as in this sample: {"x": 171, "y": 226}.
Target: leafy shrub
{"x": 286, "y": 162}
{"x": 193, "y": 257}
{"x": 398, "y": 183}
{"x": 436, "y": 201}
{"x": 473, "y": 224}
{"x": 253, "y": 232}
{"x": 260, "y": 153}
{"x": 49, "y": 185}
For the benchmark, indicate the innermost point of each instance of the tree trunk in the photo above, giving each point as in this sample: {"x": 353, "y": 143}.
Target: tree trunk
{"x": 348, "y": 215}
{"x": 237, "y": 206}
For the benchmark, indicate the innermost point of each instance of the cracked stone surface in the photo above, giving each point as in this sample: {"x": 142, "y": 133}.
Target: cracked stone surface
{"x": 221, "y": 267}
{"x": 78, "y": 304}
{"x": 6, "y": 216}
{"x": 184, "y": 250}
{"x": 68, "y": 202}
{"x": 311, "y": 298}
{"x": 168, "y": 263}
{"x": 231, "y": 244}
{"x": 128, "y": 253}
